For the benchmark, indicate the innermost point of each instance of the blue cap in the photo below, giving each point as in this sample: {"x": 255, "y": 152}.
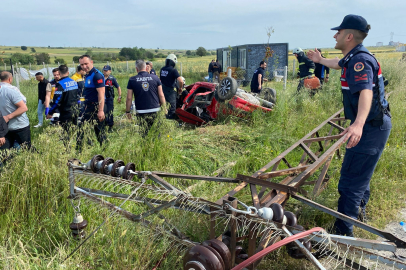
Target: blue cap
{"x": 402, "y": 223}
{"x": 353, "y": 22}
{"x": 106, "y": 67}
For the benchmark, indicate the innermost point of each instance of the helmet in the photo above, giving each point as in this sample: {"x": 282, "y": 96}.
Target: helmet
{"x": 177, "y": 82}
{"x": 297, "y": 50}
{"x": 172, "y": 57}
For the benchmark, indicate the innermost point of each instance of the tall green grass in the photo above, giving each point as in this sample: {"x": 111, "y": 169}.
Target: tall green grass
{"x": 35, "y": 213}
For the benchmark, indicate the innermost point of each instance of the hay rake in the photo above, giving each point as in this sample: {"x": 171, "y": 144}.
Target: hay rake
{"x": 241, "y": 232}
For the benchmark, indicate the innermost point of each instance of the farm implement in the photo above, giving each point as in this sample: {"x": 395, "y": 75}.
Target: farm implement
{"x": 248, "y": 222}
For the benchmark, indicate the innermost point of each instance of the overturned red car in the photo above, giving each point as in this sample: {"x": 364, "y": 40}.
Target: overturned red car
{"x": 199, "y": 103}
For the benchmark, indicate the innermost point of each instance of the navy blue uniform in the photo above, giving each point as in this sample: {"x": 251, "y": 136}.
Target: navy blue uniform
{"x": 152, "y": 71}
{"x": 54, "y": 96}
{"x": 146, "y": 98}
{"x": 254, "y": 81}
{"x": 93, "y": 80}
{"x": 110, "y": 83}
{"x": 66, "y": 103}
{"x": 168, "y": 76}
{"x": 360, "y": 70}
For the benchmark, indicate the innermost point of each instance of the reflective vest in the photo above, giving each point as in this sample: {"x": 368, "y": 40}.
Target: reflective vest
{"x": 380, "y": 105}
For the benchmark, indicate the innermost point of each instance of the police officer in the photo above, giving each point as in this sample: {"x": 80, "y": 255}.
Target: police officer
{"x": 306, "y": 67}
{"x": 110, "y": 83}
{"x": 365, "y": 105}
{"x": 148, "y": 96}
{"x": 258, "y": 78}
{"x": 94, "y": 93}
{"x": 169, "y": 75}
{"x": 66, "y": 103}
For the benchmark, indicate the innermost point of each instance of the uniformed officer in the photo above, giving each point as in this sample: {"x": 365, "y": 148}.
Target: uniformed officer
{"x": 66, "y": 103}
{"x": 306, "y": 67}
{"x": 110, "y": 83}
{"x": 148, "y": 96}
{"x": 150, "y": 69}
{"x": 169, "y": 75}
{"x": 94, "y": 93}
{"x": 365, "y": 105}
{"x": 258, "y": 78}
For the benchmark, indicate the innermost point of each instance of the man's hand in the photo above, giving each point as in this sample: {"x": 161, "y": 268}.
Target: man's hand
{"x": 315, "y": 55}
{"x": 353, "y": 134}
{"x": 49, "y": 116}
{"x": 2, "y": 141}
{"x": 129, "y": 116}
{"x": 180, "y": 91}
{"x": 6, "y": 118}
{"x": 265, "y": 80}
{"x": 259, "y": 87}
{"x": 119, "y": 99}
{"x": 100, "y": 116}
{"x": 326, "y": 80}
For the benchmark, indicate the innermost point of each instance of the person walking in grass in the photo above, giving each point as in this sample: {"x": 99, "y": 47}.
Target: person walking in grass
{"x": 13, "y": 110}
{"x": 363, "y": 92}
{"x": 110, "y": 83}
{"x": 258, "y": 78}
{"x": 44, "y": 97}
{"x": 210, "y": 71}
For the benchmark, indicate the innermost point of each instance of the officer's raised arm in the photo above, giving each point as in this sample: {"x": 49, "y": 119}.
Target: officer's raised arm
{"x": 315, "y": 56}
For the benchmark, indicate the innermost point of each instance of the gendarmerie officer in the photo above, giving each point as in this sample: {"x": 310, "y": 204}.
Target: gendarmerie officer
{"x": 148, "y": 96}
{"x": 94, "y": 93}
{"x": 365, "y": 105}
{"x": 306, "y": 67}
{"x": 110, "y": 83}
{"x": 67, "y": 102}
{"x": 258, "y": 78}
{"x": 169, "y": 75}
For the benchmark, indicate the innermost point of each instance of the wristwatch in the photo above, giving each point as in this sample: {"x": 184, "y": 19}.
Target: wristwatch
{"x": 128, "y": 112}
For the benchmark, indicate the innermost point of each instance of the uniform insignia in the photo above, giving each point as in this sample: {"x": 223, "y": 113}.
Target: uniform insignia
{"x": 88, "y": 82}
{"x": 100, "y": 81}
{"x": 361, "y": 78}
{"x": 145, "y": 86}
{"x": 359, "y": 66}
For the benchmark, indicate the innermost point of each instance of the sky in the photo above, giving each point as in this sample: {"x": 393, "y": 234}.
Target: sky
{"x": 190, "y": 24}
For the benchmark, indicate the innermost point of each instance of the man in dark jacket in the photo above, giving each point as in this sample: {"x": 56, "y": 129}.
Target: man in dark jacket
{"x": 169, "y": 76}
{"x": 258, "y": 78}
{"x": 44, "y": 97}
{"x": 322, "y": 72}
{"x": 67, "y": 101}
{"x": 216, "y": 71}
{"x": 306, "y": 67}
{"x": 210, "y": 71}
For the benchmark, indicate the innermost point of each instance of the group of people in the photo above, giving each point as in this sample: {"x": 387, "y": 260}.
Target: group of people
{"x": 214, "y": 71}
{"x": 361, "y": 83}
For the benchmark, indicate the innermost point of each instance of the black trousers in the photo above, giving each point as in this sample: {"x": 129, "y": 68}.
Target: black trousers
{"x": 89, "y": 114}
{"x": 109, "y": 104}
{"x": 170, "y": 96}
{"x": 22, "y": 136}
{"x": 145, "y": 121}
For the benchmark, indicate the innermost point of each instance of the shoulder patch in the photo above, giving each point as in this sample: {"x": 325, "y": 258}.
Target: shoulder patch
{"x": 359, "y": 66}
{"x": 100, "y": 81}
{"x": 361, "y": 78}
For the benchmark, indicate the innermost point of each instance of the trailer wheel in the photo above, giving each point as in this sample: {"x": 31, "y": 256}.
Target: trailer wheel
{"x": 227, "y": 88}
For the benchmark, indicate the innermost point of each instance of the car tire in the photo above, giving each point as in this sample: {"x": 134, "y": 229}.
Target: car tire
{"x": 216, "y": 97}
{"x": 227, "y": 88}
{"x": 269, "y": 94}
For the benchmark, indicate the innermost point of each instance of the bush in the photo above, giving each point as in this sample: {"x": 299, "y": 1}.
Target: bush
{"x": 201, "y": 51}
{"x": 61, "y": 61}
{"x": 42, "y": 58}
{"x": 76, "y": 59}
{"x": 33, "y": 50}
{"x": 24, "y": 59}
{"x": 24, "y": 48}
{"x": 188, "y": 52}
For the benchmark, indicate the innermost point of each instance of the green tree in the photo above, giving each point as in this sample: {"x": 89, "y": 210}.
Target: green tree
{"x": 33, "y": 50}
{"x": 188, "y": 52}
{"x": 42, "y": 58}
{"x": 128, "y": 53}
{"x": 24, "y": 48}
{"x": 156, "y": 51}
{"x": 76, "y": 59}
{"x": 61, "y": 61}
{"x": 201, "y": 51}
{"x": 24, "y": 59}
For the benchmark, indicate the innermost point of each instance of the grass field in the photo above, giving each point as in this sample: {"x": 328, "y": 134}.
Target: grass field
{"x": 35, "y": 213}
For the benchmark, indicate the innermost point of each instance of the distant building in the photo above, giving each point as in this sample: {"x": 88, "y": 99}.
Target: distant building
{"x": 379, "y": 44}
{"x": 392, "y": 43}
{"x": 247, "y": 57}
{"x": 401, "y": 48}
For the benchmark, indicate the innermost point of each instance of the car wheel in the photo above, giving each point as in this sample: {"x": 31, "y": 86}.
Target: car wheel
{"x": 227, "y": 88}
{"x": 269, "y": 95}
